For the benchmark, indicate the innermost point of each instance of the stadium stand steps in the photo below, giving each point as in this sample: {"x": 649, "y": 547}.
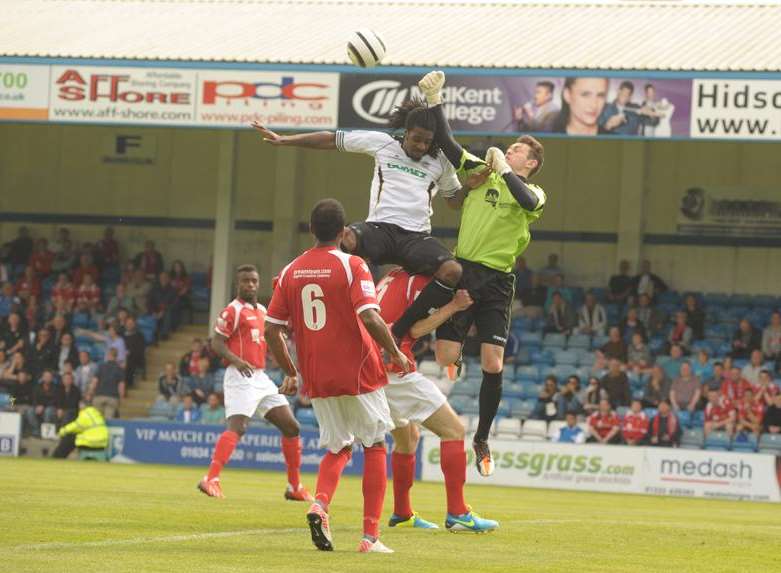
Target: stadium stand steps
{"x": 141, "y": 398}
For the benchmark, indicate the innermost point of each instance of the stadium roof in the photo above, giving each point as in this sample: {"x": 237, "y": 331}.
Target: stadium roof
{"x": 622, "y": 34}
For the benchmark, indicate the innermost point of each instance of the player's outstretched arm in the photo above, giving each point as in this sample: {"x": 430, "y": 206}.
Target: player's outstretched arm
{"x": 431, "y": 86}
{"x": 276, "y": 344}
{"x": 461, "y": 301}
{"x": 219, "y": 346}
{"x": 527, "y": 197}
{"x": 316, "y": 140}
{"x": 379, "y": 331}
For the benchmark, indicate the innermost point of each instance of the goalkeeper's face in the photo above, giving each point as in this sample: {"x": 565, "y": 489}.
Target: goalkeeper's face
{"x": 518, "y": 158}
{"x": 417, "y": 142}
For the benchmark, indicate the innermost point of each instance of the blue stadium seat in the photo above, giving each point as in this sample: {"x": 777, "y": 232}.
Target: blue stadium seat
{"x": 306, "y": 417}
{"x": 554, "y": 340}
{"x": 584, "y": 373}
{"x": 715, "y": 299}
{"x": 598, "y": 341}
{"x": 531, "y": 391}
{"x": 670, "y": 297}
{"x": 459, "y": 403}
{"x": 80, "y": 320}
{"x": 717, "y": 441}
{"x": 527, "y": 373}
{"x": 565, "y": 357}
{"x": 522, "y": 409}
{"x": 692, "y": 439}
{"x": 514, "y": 390}
{"x": 685, "y": 418}
{"x": 542, "y": 357}
{"x": 579, "y": 341}
{"x": 586, "y": 359}
{"x": 744, "y": 442}
{"x": 503, "y": 411}
{"x": 218, "y": 387}
{"x": 650, "y": 412}
{"x": 771, "y": 443}
{"x": 637, "y": 394}
{"x": 5, "y": 399}
{"x": 564, "y": 371}
{"x": 531, "y": 339}
{"x": 472, "y": 408}
{"x": 462, "y": 389}
{"x": 523, "y": 356}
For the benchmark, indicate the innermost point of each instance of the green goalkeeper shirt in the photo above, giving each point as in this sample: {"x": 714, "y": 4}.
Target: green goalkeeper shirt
{"x": 494, "y": 228}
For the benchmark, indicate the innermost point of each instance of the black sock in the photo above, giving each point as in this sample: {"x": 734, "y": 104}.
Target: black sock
{"x": 435, "y": 294}
{"x": 490, "y": 395}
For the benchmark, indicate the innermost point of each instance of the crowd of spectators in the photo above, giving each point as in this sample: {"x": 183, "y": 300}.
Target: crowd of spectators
{"x": 75, "y": 323}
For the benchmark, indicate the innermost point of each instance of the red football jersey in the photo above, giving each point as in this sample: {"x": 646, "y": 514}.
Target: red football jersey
{"x": 319, "y": 297}
{"x": 603, "y": 424}
{"x": 396, "y": 292}
{"x": 244, "y": 326}
{"x": 635, "y": 426}
{"x": 756, "y": 408}
{"x": 720, "y": 412}
{"x": 734, "y": 391}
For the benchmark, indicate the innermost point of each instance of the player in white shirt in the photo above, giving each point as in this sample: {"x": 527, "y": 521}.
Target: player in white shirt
{"x": 408, "y": 173}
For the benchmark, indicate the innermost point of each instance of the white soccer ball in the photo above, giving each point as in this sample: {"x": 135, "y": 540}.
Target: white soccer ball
{"x": 365, "y": 48}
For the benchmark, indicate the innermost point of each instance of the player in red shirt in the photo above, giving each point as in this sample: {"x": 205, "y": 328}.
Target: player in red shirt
{"x": 750, "y": 414}
{"x": 239, "y": 341}
{"x": 326, "y": 298}
{"x": 634, "y": 427}
{"x": 414, "y": 399}
{"x": 719, "y": 414}
{"x": 604, "y": 425}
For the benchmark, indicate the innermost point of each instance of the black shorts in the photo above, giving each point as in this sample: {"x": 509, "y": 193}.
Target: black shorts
{"x": 492, "y": 292}
{"x": 388, "y": 244}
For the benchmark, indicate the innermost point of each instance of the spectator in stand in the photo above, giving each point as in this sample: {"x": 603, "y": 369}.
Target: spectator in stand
{"x": 546, "y": 407}
{"x": 680, "y": 333}
{"x": 685, "y": 392}
{"x": 64, "y": 259}
{"x": 714, "y": 382}
{"x": 66, "y": 353}
{"x": 652, "y": 318}
{"x": 9, "y": 302}
{"x": 657, "y": 389}
{"x": 202, "y": 383}
{"x": 695, "y": 317}
{"x": 14, "y": 366}
{"x": 604, "y": 426}
{"x": 751, "y": 370}
{"x": 647, "y": 283}
{"x": 63, "y": 237}
{"x": 632, "y": 325}
{"x": 734, "y": 386}
{"x": 638, "y": 356}
{"x": 600, "y": 366}
{"x": 138, "y": 289}
{"x": 749, "y": 414}
{"x": 86, "y": 267}
{"x": 149, "y": 261}
{"x": 549, "y": 271}
{"x": 107, "y": 249}
{"x": 615, "y": 347}
{"x": 170, "y": 385}
{"x": 533, "y": 300}
{"x": 21, "y": 248}
{"x": 188, "y": 412}
{"x": 772, "y": 420}
{"x": 28, "y": 284}
{"x": 58, "y": 328}
{"x": 616, "y": 385}
{"x": 188, "y": 365}
{"x": 85, "y": 371}
{"x": 701, "y": 367}
{"x": 136, "y": 351}
{"x": 634, "y": 426}
{"x": 560, "y": 319}
{"x": 108, "y": 386}
{"x": 567, "y": 400}
{"x": 34, "y": 314}
{"x": 22, "y": 393}
{"x": 592, "y": 318}
{"x": 591, "y": 396}
{"x": 766, "y": 390}
{"x": 771, "y": 340}
{"x": 162, "y": 304}
{"x": 523, "y": 276}
{"x": 621, "y": 285}
{"x": 571, "y": 433}
{"x": 121, "y": 300}
{"x": 719, "y": 414}
{"x": 5, "y": 362}
{"x": 558, "y": 287}
{"x": 44, "y": 403}
{"x": 665, "y": 431}
{"x": 183, "y": 286}
{"x": 213, "y": 413}
{"x": 14, "y": 335}
{"x": 745, "y": 340}
{"x": 672, "y": 367}
{"x": 113, "y": 341}
{"x": 42, "y": 259}
{"x": 88, "y": 432}
{"x": 67, "y": 400}
{"x": 43, "y": 354}
{"x": 63, "y": 290}
{"x": 88, "y": 292}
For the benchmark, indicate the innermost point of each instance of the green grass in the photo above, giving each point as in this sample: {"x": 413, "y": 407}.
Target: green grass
{"x": 63, "y": 516}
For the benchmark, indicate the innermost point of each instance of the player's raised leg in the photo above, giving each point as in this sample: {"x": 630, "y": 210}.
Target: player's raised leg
{"x": 282, "y": 417}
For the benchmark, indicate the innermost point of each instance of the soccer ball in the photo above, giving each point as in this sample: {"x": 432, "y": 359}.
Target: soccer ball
{"x": 365, "y": 48}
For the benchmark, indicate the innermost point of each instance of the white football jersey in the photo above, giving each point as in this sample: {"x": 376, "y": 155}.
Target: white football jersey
{"x": 402, "y": 188}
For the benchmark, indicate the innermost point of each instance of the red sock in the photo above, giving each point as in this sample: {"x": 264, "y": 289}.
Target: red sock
{"x": 375, "y": 479}
{"x": 331, "y": 467}
{"x": 291, "y": 448}
{"x": 453, "y": 464}
{"x": 403, "y": 476}
{"x": 222, "y": 453}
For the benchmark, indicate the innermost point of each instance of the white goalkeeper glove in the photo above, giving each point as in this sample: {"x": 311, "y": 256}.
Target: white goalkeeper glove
{"x": 431, "y": 86}
{"x": 495, "y": 158}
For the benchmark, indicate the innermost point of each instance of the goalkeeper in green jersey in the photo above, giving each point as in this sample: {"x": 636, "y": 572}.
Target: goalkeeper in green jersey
{"x": 497, "y": 205}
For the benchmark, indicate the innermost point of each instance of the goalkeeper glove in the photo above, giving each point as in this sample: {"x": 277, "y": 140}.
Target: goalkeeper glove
{"x": 431, "y": 86}
{"x": 496, "y": 159}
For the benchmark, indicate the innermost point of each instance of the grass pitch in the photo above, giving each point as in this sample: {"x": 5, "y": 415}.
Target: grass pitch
{"x": 62, "y": 516}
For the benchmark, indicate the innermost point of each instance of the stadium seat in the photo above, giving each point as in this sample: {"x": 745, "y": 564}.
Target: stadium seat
{"x": 584, "y": 373}
{"x": 554, "y": 340}
{"x": 523, "y": 357}
{"x": 622, "y": 411}
{"x": 598, "y": 342}
{"x": 530, "y": 390}
{"x": 534, "y": 430}
{"x": 522, "y": 409}
{"x": 514, "y": 390}
{"x": 586, "y": 359}
{"x": 528, "y": 374}
{"x": 472, "y": 408}
{"x": 717, "y": 441}
{"x": 745, "y": 442}
{"x": 562, "y": 372}
{"x": 542, "y": 357}
{"x": 771, "y": 442}
{"x": 692, "y": 439}
{"x": 531, "y": 339}
{"x": 579, "y": 341}
{"x": 565, "y": 357}
{"x": 685, "y": 418}
{"x": 554, "y": 427}
{"x": 508, "y": 428}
